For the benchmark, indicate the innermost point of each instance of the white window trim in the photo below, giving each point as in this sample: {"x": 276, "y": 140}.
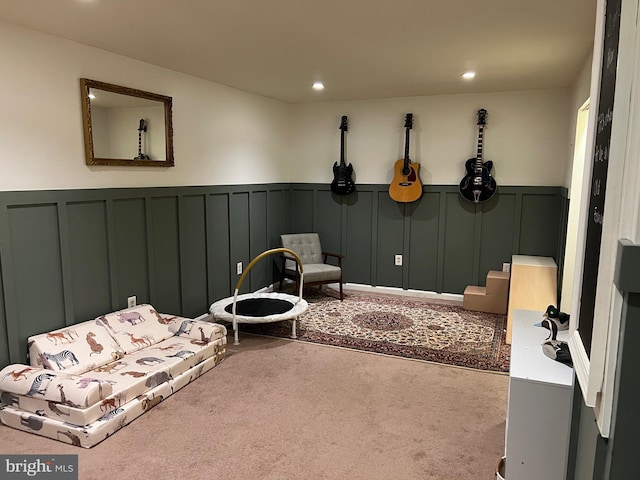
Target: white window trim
{"x": 596, "y": 374}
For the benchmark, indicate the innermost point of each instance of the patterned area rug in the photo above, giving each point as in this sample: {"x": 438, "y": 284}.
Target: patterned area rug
{"x": 399, "y": 326}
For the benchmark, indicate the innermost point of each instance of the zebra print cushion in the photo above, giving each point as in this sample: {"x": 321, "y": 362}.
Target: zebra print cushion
{"x": 74, "y": 349}
{"x": 59, "y": 387}
{"x": 24, "y": 380}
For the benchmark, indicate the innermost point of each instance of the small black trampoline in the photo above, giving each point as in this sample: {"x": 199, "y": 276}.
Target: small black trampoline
{"x": 261, "y": 307}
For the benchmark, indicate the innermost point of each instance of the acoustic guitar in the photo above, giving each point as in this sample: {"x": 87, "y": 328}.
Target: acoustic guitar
{"x": 406, "y": 185}
{"x": 478, "y": 185}
{"x": 342, "y": 183}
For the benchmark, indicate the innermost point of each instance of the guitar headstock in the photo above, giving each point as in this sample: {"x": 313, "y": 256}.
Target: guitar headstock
{"x": 408, "y": 121}
{"x": 482, "y": 117}
{"x": 344, "y": 125}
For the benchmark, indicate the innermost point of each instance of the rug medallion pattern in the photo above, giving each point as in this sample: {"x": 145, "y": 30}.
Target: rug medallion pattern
{"x": 400, "y": 326}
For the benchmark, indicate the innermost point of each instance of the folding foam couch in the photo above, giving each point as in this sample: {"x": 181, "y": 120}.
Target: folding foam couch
{"x": 88, "y": 380}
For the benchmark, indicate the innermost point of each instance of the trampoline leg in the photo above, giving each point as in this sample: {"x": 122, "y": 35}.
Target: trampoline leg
{"x": 236, "y": 341}
{"x": 293, "y": 328}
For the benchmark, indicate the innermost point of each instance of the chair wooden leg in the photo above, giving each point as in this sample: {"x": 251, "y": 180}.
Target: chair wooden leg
{"x": 341, "y": 294}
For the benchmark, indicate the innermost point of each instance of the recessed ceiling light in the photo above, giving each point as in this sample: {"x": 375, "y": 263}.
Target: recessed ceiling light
{"x": 318, "y": 86}
{"x": 469, "y": 75}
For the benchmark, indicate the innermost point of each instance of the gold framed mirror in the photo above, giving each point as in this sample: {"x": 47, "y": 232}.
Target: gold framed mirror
{"x": 126, "y": 127}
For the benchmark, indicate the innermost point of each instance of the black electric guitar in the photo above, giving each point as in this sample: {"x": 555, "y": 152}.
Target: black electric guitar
{"x": 406, "y": 185}
{"x": 478, "y": 185}
{"x": 342, "y": 182}
{"x": 141, "y": 128}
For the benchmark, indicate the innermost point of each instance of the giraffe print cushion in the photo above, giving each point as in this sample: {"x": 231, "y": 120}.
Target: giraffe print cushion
{"x": 137, "y": 327}
{"x": 60, "y": 388}
{"x": 74, "y": 349}
{"x": 23, "y": 380}
{"x": 205, "y": 332}
{"x": 77, "y": 392}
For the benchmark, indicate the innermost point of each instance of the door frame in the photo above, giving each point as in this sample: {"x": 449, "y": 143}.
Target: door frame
{"x": 596, "y": 373}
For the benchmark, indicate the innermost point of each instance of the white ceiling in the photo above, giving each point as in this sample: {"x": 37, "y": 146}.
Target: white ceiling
{"x": 360, "y": 49}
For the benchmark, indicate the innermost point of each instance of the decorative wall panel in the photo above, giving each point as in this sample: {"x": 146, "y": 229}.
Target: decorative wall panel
{"x": 69, "y": 256}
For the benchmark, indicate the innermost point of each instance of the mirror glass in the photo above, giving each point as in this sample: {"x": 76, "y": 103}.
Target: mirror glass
{"x": 125, "y": 126}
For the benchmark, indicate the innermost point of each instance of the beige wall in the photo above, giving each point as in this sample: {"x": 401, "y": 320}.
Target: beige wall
{"x": 226, "y": 136}
{"x": 527, "y": 137}
{"x": 221, "y": 135}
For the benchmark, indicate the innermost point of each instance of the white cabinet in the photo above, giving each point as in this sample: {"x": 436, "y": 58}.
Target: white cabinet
{"x": 540, "y": 399}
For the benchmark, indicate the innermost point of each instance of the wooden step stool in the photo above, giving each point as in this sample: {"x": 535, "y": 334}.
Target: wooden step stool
{"x": 491, "y": 299}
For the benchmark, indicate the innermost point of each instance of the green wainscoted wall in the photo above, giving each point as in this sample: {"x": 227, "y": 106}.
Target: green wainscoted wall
{"x": 447, "y": 243}
{"x": 70, "y": 255}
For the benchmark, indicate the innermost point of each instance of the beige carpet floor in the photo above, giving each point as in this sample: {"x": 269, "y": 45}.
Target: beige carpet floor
{"x": 279, "y": 409}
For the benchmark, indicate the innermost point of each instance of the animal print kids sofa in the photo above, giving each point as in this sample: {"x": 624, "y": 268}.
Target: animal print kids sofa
{"x": 88, "y": 380}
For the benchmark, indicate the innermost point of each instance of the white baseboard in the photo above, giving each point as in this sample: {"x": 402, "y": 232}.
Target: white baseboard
{"x": 443, "y": 297}
{"x": 449, "y": 297}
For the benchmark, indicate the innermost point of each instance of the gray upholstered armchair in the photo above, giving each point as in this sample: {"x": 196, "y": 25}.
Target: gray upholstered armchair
{"x": 316, "y": 270}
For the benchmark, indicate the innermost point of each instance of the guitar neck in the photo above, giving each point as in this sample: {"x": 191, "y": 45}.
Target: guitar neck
{"x": 479, "y": 151}
{"x": 406, "y": 148}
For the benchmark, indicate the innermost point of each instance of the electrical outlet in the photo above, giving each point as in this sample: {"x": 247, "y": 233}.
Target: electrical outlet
{"x": 506, "y": 267}
{"x": 239, "y": 268}
{"x": 131, "y": 301}
{"x": 398, "y": 260}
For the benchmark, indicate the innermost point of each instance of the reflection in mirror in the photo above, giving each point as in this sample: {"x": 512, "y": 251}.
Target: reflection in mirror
{"x": 124, "y": 126}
